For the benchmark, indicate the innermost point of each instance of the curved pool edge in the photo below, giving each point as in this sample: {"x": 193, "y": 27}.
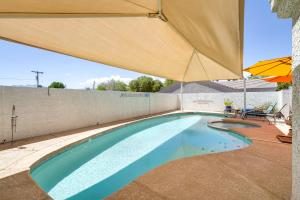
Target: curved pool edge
{"x": 172, "y": 173}
{"x": 237, "y": 120}
{"x": 231, "y": 120}
{"x": 97, "y": 134}
{"x": 108, "y": 128}
{"x": 234, "y": 129}
{"x": 31, "y": 189}
{"x": 107, "y": 131}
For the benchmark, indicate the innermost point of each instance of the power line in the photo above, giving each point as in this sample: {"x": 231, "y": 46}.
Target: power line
{"x": 37, "y": 77}
{"x": 18, "y": 79}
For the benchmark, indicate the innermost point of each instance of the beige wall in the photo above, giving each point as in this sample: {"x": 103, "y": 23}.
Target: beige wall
{"x": 39, "y": 113}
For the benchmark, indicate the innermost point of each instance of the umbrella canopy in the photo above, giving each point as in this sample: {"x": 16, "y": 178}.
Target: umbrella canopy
{"x": 188, "y": 40}
{"x": 274, "y": 67}
{"x": 279, "y": 79}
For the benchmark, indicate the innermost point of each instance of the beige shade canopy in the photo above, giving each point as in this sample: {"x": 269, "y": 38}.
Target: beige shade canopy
{"x": 188, "y": 40}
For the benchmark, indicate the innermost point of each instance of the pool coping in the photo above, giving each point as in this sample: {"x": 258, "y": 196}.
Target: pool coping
{"x": 83, "y": 136}
{"x": 29, "y": 163}
{"x": 165, "y": 181}
{"x": 231, "y": 120}
{"x": 110, "y": 129}
{"x": 91, "y": 134}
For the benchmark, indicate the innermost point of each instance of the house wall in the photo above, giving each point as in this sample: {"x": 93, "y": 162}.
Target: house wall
{"x": 291, "y": 9}
{"x": 296, "y": 100}
{"x": 214, "y": 102}
{"x": 40, "y": 113}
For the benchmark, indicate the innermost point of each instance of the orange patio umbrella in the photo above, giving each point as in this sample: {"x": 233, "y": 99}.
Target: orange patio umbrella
{"x": 274, "y": 67}
{"x": 280, "y": 70}
{"x": 279, "y": 79}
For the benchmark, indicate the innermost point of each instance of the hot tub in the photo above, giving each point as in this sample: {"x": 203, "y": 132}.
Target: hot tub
{"x": 226, "y": 125}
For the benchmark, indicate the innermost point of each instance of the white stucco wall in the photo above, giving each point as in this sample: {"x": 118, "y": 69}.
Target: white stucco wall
{"x": 296, "y": 101}
{"x": 291, "y": 9}
{"x": 39, "y": 113}
{"x": 285, "y": 97}
{"x": 214, "y": 102}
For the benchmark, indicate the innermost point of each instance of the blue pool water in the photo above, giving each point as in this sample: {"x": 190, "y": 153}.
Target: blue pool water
{"x": 102, "y": 165}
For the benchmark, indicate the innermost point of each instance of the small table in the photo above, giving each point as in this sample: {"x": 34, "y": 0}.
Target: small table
{"x": 233, "y": 112}
{"x": 237, "y": 112}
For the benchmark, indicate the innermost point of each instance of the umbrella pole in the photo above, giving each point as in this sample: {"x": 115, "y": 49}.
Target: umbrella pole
{"x": 181, "y": 97}
{"x": 245, "y": 95}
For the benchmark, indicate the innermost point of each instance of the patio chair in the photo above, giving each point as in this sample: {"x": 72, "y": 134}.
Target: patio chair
{"x": 285, "y": 138}
{"x": 278, "y": 114}
{"x": 288, "y": 120}
{"x": 258, "y": 112}
{"x": 265, "y": 114}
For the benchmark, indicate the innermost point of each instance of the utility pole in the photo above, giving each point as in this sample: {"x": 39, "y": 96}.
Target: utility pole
{"x": 37, "y": 77}
{"x": 245, "y": 95}
{"x": 94, "y": 84}
{"x": 181, "y": 96}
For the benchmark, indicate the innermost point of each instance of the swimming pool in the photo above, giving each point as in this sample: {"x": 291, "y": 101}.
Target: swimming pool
{"x": 100, "y": 166}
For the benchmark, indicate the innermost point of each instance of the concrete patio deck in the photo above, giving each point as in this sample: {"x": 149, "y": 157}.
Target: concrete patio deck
{"x": 261, "y": 171}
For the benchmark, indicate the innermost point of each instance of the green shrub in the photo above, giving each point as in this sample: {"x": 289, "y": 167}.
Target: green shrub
{"x": 228, "y": 102}
{"x": 283, "y": 86}
{"x": 57, "y": 84}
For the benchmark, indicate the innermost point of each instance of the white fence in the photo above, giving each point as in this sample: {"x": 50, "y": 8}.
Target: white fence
{"x": 41, "y": 112}
{"x": 214, "y": 102}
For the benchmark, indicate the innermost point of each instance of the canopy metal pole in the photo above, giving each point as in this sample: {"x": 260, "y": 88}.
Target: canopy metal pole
{"x": 245, "y": 95}
{"x": 181, "y": 97}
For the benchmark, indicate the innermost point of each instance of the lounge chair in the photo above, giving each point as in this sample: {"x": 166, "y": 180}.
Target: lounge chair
{"x": 265, "y": 114}
{"x": 288, "y": 121}
{"x": 258, "y": 112}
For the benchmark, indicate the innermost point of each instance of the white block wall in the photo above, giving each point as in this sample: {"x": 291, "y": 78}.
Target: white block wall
{"x": 285, "y": 97}
{"x": 39, "y": 113}
{"x": 214, "y": 102}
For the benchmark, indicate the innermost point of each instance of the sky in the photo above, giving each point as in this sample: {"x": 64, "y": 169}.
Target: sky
{"x": 265, "y": 37}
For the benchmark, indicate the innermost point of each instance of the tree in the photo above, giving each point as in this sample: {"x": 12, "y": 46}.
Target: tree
{"x": 101, "y": 87}
{"x": 157, "y": 85}
{"x": 145, "y": 84}
{"x": 120, "y": 86}
{"x": 134, "y": 86}
{"x": 57, "y": 84}
{"x": 141, "y": 84}
{"x": 168, "y": 82}
{"x": 113, "y": 85}
{"x": 283, "y": 86}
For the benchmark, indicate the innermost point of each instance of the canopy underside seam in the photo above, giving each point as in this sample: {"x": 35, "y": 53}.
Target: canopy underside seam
{"x": 203, "y": 67}
{"x": 175, "y": 29}
{"x": 188, "y": 65}
{"x": 139, "y": 5}
{"x": 70, "y": 15}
